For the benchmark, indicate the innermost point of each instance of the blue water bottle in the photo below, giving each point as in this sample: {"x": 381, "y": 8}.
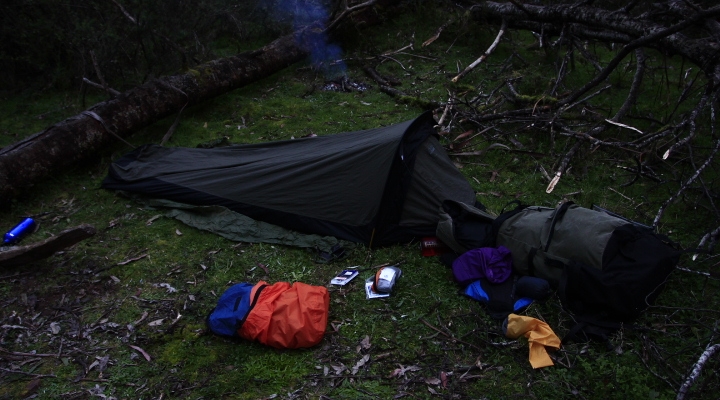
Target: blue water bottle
{"x": 14, "y": 235}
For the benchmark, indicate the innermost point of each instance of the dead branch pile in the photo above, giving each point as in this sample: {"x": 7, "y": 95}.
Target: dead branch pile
{"x": 676, "y": 150}
{"x": 672, "y": 44}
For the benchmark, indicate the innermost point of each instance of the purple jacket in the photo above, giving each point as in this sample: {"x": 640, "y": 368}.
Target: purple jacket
{"x": 493, "y": 264}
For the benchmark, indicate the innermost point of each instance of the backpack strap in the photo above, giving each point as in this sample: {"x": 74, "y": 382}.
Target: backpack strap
{"x": 556, "y": 216}
{"x": 591, "y": 328}
{"x": 506, "y": 215}
{"x": 519, "y": 205}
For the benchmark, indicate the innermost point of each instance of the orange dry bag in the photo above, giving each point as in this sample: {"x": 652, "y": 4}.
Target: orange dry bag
{"x": 285, "y": 316}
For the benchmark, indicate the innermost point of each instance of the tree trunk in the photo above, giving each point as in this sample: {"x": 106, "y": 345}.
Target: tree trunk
{"x": 78, "y": 138}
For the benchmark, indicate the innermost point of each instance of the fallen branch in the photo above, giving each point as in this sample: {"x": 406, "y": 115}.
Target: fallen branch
{"x": 691, "y": 122}
{"x": 697, "y": 369}
{"x": 437, "y": 33}
{"x": 563, "y": 167}
{"x": 99, "y": 86}
{"x": 128, "y": 261}
{"x": 127, "y": 14}
{"x": 174, "y": 125}
{"x": 481, "y": 152}
{"x": 372, "y": 72}
{"x": 13, "y": 371}
{"x": 705, "y": 274}
{"x": 111, "y": 92}
{"x": 485, "y": 55}
{"x": 687, "y": 183}
{"x": 451, "y": 337}
{"x": 712, "y": 237}
{"x": 20, "y": 255}
{"x": 634, "y": 88}
{"x": 346, "y": 12}
{"x": 402, "y": 97}
{"x": 20, "y": 354}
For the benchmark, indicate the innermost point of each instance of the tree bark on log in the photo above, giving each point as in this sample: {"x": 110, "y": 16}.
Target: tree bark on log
{"x": 79, "y": 137}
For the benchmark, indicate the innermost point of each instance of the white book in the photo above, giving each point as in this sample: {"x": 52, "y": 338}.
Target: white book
{"x": 344, "y": 277}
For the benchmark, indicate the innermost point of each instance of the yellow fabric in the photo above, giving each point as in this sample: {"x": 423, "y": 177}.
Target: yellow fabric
{"x": 539, "y": 335}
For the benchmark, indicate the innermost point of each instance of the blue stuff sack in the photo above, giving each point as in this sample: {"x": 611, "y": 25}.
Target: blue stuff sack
{"x": 231, "y": 310}
{"x": 511, "y": 296}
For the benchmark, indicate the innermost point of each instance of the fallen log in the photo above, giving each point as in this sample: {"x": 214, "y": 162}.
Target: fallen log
{"x": 79, "y": 137}
{"x": 21, "y": 255}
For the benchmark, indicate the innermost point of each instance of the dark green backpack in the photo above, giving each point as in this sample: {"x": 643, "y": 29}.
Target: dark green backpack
{"x": 544, "y": 240}
{"x": 606, "y": 269}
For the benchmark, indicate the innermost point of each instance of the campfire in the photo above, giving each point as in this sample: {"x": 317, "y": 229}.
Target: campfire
{"x": 345, "y": 84}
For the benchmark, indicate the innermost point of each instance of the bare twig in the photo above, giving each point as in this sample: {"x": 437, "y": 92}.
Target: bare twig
{"x": 687, "y": 183}
{"x": 99, "y": 86}
{"x": 99, "y": 119}
{"x": 112, "y": 93}
{"x": 372, "y": 72}
{"x": 691, "y": 121}
{"x": 705, "y": 274}
{"x": 483, "y": 151}
{"x": 635, "y": 88}
{"x": 21, "y": 255}
{"x": 637, "y": 43}
{"x": 520, "y": 6}
{"x": 485, "y": 55}
{"x": 448, "y": 107}
{"x": 664, "y": 379}
{"x": 587, "y": 56}
{"x": 173, "y": 127}
{"x": 563, "y": 167}
{"x": 449, "y": 336}
{"x": 347, "y": 11}
{"x": 127, "y": 14}
{"x": 437, "y": 33}
{"x": 712, "y": 237}
{"x": 562, "y": 71}
{"x": 20, "y": 354}
{"x": 586, "y": 98}
{"x": 13, "y": 371}
{"x": 695, "y": 373}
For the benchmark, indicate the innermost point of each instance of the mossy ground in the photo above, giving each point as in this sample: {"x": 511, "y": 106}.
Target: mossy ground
{"x": 104, "y": 304}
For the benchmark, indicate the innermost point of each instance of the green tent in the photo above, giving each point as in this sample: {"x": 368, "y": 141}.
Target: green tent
{"x": 378, "y": 186}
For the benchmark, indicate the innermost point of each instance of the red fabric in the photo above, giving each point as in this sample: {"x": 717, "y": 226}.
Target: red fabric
{"x": 288, "y": 317}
